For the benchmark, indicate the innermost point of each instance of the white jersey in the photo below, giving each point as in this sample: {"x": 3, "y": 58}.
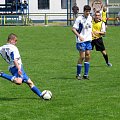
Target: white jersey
{"x": 9, "y": 53}
{"x": 84, "y": 27}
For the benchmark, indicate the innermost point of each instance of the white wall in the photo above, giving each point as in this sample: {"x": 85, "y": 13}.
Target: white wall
{"x": 80, "y": 4}
{"x": 2, "y": 1}
{"x": 55, "y": 6}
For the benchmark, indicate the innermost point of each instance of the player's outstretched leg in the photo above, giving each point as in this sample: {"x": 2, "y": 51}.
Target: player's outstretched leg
{"x": 36, "y": 91}
{"x": 6, "y": 76}
{"x": 106, "y": 58}
{"x": 34, "y": 88}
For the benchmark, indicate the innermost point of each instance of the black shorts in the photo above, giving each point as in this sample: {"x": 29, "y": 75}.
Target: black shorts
{"x": 105, "y": 23}
{"x": 98, "y": 43}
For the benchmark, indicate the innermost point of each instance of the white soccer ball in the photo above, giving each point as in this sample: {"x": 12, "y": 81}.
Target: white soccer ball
{"x": 47, "y": 94}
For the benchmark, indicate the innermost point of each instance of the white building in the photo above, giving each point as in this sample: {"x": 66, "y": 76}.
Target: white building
{"x": 53, "y": 7}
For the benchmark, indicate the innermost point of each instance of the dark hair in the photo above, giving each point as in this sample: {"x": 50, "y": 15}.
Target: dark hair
{"x": 11, "y": 36}
{"x": 98, "y": 12}
{"x": 87, "y": 7}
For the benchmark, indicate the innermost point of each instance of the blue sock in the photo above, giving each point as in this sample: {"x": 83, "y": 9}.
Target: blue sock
{"x": 86, "y": 66}
{"x": 8, "y": 77}
{"x": 36, "y": 90}
{"x": 79, "y": 68}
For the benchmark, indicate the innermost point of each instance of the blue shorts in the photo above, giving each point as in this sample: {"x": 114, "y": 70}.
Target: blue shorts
{"x": 14, "y": 72}
{"x": 84, "y": 46}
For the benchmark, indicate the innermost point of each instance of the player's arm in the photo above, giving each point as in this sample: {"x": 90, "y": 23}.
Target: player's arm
{"x": 17, "y": 66}
{"x": 77, "y": 34}
{"x": 14, "y": 57}
{"x": 93, "y": 3}
{"x": 101, "y": 5}
{"x": 103, "y": 29}
{"x": 98, "y": 32}
{"x": 93, "y": 34}
{"x": 76, "y": 27}
{"x": 102, "y": 33}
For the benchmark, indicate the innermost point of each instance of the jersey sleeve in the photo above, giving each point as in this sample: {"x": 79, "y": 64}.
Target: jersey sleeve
{"x": 15, "y": 53}
{"x": 103, "y": 29}
{"x": 77, "y": 22}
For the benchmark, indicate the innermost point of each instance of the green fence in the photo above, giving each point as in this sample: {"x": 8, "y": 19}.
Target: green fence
{"x": 53, "y": 19}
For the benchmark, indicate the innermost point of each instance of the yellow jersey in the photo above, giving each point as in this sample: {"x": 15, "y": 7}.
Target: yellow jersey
{"x": 104, "y": 15}
{"x": 96, "y": 26}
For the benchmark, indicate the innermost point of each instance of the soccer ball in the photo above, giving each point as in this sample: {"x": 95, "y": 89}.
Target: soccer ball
{"x": 46, "y": 94}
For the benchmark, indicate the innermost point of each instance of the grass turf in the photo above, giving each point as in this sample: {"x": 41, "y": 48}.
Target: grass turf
{"x": 49, "y": 57}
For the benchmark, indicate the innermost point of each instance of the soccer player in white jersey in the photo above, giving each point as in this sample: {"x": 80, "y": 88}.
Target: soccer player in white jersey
{"x": 82, "y": 28}
{"x": 10, "y": 54}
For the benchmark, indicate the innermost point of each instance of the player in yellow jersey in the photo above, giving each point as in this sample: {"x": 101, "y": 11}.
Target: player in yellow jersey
{"x": 98, "y": 30}
{"x": 104, "y": 15}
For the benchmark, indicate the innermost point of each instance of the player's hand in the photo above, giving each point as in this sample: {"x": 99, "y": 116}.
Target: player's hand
{"x": 94, "y": 35}
{"x": 96, "y": 32}
{"x": 19, "y": 72}
{"x": 81, "y": 38}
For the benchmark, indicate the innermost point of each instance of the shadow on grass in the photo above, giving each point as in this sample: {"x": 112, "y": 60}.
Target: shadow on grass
{"x": 63, "y": 78}
{"x": 17, "y": 98}
{"x": 103, "y": 65}
{"x": 98, "y": 66}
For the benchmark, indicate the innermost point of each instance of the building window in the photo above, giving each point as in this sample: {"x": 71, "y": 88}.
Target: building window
{"x": 64, "y": 4}
{"x": 11, "y": 1}
{"x": 43, "y": 4}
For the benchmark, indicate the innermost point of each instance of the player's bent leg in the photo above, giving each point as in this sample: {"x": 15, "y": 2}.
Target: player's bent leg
{"x": 11, "y": 78}
{"x": 106, "y": 58}
{"x": 30, "y": 83}
{"x": 104, "y": 52}
{"x": 17, "y": 81}
{"x": 34, "y": 88}
{"x": 7, "y": 76}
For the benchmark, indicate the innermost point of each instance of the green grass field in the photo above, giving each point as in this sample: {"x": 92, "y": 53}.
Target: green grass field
{"x": 49, "y": 57}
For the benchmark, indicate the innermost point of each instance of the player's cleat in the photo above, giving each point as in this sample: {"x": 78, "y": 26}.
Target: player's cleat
{"x": 109, "y": 64}
{"x": 41, "y": 96}
{"x": 78, "y": 77}
{"x": 85, "y": 77}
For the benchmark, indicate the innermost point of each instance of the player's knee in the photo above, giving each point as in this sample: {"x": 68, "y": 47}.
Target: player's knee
{"x": 18, "y": 81}
{"x": 87, "y": 57}
{"x": 82, "y": 58}
{"x": 30, "y": 83}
